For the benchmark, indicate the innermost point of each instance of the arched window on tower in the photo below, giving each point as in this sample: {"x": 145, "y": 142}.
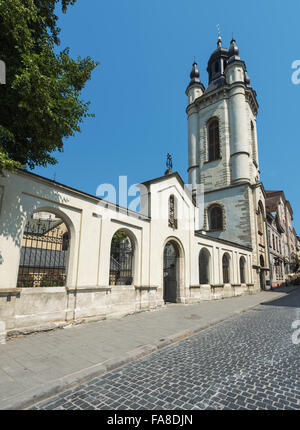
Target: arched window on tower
{"x": 213, "y": 140}
{"x": 173, "y": 212}
{"x": 215, "y": 216}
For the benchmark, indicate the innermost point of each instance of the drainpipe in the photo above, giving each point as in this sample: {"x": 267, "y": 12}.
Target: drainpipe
{"x": 269, "y": 256}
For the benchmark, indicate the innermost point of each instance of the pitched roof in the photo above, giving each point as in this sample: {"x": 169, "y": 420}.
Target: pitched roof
{"x": 168, "y": 176}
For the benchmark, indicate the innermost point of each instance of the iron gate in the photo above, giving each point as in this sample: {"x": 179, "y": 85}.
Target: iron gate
{"x": 121, "y": 262}
{"x": 44, "y": 254}
{"x": 171, "y": 267}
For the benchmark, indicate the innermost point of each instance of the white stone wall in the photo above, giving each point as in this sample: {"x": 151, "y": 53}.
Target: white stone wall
{"x": 92, "y": 224}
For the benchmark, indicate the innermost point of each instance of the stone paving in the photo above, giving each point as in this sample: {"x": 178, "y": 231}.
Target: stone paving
{"x": 247, "y": 362}
{"x": 43, "y": 364}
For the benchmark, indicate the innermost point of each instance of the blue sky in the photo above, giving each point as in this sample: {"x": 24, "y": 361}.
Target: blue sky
{"x": 146, "y": 50}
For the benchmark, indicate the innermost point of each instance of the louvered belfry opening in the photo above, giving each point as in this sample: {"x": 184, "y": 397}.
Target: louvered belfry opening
{"x": 213, "y": 140}
{"x": 44, "y": 252}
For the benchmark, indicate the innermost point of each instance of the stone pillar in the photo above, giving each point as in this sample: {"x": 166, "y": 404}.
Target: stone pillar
{"x": 239, "y": 143}
{"x": 193, "y": 149}
{"x": 220, "y": 268}
{"x": 12, "y": 220}
{"x": 238, "y": 122}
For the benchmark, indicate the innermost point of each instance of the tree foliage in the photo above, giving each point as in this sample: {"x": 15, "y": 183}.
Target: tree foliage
{"x": 118, "y": 237}
{"x": 40, "y": 104}
{"x": 295, "y": 262}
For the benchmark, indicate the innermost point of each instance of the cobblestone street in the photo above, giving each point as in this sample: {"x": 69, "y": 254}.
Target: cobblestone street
{"x": 247, "y": 362}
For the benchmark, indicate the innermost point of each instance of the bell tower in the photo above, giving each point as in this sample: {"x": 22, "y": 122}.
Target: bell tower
{"x": 222, "y": 147}
{"x": 231, "y": 101}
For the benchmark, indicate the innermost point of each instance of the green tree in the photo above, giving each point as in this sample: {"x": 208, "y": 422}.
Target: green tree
{"x": 40, "y": 104}
{"x": 295, "y": 262}
{"x": 118, "y": 237}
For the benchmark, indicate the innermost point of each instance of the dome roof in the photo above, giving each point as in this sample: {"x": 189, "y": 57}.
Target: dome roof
{"x": 218, "y": 53}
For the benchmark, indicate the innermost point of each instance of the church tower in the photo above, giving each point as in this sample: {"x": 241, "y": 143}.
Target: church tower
{"x": 222, "y": 147}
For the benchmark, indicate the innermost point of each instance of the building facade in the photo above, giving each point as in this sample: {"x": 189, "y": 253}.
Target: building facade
{"x": 69, "y": 256}
{"x": 223, "y": 154}
{"x": 281, "y": 210}
{"x": 276, "y": 250}
{"x": 298, "y": 249}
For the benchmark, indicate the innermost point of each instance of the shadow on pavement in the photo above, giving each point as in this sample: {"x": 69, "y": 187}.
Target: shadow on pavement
{"x": 291, "y": 300}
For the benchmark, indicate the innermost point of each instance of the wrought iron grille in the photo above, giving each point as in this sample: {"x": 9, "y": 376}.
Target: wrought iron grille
{"x": 44, "y": 254}
{"x": 121, "y": 262}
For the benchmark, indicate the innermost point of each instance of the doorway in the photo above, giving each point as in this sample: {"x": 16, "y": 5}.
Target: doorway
{"x": 171, "y": 272}
{"x": 262, "y": 274}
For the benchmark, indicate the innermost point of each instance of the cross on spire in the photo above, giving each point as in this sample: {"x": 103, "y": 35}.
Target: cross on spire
{"x": 219, "y": 42}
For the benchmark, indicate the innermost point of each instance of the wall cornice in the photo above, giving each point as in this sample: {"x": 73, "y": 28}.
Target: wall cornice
{"x": 222, "y": 93}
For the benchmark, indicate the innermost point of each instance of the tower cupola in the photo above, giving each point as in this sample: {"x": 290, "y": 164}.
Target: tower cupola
{"x": 216, "y": 66}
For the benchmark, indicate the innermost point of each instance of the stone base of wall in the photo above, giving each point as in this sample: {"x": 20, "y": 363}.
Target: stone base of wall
{"x": 220, "y": 291}
{"x": 29, "y": 310}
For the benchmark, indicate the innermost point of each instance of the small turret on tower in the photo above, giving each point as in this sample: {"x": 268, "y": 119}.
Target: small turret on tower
{"x": 195, "y": 88}
{"x": 236, "y": 68}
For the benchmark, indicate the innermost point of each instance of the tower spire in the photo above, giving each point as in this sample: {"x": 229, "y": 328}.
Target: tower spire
{"x": 195, "y": 74}
{"x": 219, "y": 41}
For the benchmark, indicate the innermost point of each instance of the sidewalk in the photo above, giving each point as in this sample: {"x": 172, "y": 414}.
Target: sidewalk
{"x": 37, "y": 366}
